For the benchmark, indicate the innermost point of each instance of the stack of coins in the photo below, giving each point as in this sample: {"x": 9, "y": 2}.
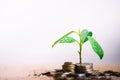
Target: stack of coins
{"x": 68, "y": 67}
{"x": 79, "y": 68}
{"x": 89, "y": 67}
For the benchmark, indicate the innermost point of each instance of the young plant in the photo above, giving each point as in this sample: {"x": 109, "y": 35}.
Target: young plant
{"x": 84, "y": 36}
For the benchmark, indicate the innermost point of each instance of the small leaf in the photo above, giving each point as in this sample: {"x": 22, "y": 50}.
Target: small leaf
{"x": 67, "y": 40}
{"x": 96, "y": 47}
{"x": 57, "y": 41}
{"x": 84, "y": 34}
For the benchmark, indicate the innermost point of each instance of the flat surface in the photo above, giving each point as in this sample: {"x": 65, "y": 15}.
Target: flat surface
{"x": 26, "y": 72}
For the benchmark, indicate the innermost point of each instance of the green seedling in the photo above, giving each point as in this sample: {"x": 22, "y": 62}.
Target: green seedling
{"x": 84, "y": 36}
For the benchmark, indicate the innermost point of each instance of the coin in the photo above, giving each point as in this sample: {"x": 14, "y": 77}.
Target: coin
{"x": 68, "y": 67}
{"x": 69, "y": 78}
{"x": 67, "y": 63}
{"x": 80, "y": 68}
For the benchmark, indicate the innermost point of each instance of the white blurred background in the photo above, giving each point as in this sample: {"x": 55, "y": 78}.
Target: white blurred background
{"x": 28, "y": 29}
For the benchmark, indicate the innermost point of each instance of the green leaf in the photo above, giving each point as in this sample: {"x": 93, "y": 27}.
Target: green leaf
{"x": 84, "y": 34}
{"x": 96, "y": 47}
{"x": 57, "y": 41}
{"x": 67, "y": 40}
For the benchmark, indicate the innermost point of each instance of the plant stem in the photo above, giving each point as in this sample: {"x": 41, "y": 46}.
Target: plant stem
{"x": 80, "y": 53}
{"x": 80, "y": 45}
